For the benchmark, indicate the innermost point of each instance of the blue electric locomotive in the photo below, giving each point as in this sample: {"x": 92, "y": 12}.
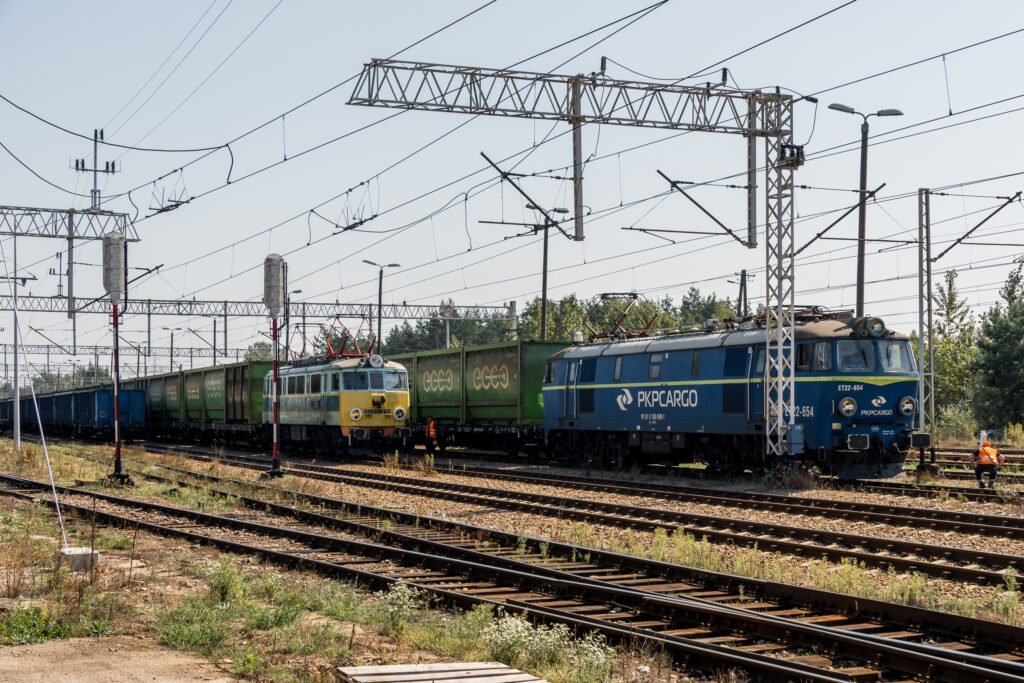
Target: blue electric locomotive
{"x": 700, "y": 397}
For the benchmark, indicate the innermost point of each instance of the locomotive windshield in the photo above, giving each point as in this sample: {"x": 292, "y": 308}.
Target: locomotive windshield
{"x": 896, "y": 356}
{"x": 855, "y": 356}
{"x": 377, "y": 380}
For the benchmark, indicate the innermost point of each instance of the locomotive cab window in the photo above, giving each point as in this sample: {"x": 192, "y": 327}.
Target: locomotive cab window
{"x": 588, "y": 370}
{"x": 896, "y": 356}
{"x": 354, "y": 381}
{"x": 654, "y": 368}
{"x": 549, "y": 373}
{"x": 395, "y": 381}
{"x": 376, "y": 381}
{"x": 855, "y": 356}
{"x": 822, "y": 356}
{"x": 695, "y": 364}
{"x": 759, "y": 364}
{"x": 335, "y": 386}
{"x": 300, "y": 384}
{"x": 314, "y": 384}
{"x": 617, "y": 374}
{"x": 291, "y": 385}
{"x": 803, "y": 357}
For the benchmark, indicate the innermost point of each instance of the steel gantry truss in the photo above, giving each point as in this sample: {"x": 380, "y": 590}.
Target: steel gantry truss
{"x": 596, "y": 99}
{"x": 925, "y": 347}
{"x": 256, "y": 309}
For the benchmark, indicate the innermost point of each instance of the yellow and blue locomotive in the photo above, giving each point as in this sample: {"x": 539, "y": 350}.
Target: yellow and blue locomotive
{"x": 332, "y": 405}
{"x": 700, "y": 397}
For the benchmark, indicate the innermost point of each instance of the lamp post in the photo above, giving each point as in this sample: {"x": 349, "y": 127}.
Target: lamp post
{"x": 380, "y": 296}
{"x": 544, "y": 268}
{"x": 861, "y": 219}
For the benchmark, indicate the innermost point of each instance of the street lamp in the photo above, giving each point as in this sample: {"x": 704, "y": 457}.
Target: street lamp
{"x": 544, "y": 276}
{"x": 861, "y": 220}
{"x": 380, "y": 295}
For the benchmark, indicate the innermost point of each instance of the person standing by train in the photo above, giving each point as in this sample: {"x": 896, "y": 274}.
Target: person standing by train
{"x": 987, "y": 460}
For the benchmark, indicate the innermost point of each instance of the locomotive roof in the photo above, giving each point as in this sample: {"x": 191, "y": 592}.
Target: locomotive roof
{"x": 818, "y": 329}
{"x": 340, "y": 364}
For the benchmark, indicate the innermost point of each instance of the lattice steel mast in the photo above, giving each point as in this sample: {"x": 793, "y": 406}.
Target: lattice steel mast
{"x": 583, "y": 99}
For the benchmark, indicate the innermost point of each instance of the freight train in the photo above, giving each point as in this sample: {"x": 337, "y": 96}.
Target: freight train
{"x": 327, "y": 405}
{"x": 701, "y": 397}
{"x": 691, "y": 397}
{"x": 487, "y": 396}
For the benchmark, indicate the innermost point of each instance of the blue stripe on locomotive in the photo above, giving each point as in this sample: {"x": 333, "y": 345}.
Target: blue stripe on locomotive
{"x": 719, "y": 398}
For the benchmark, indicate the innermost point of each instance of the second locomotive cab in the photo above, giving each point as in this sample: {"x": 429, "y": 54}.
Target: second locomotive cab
{"x": 701, "y": 397}
{"x": 332, "y": 406}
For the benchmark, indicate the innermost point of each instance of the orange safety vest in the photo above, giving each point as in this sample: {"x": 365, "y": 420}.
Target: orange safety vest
{"x": 987, "y": 455}
{"x": 431, "y": 431}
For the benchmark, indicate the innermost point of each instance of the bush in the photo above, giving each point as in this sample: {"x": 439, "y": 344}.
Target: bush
{"x": 24, "y": 625}
{"x": 506, "y": 638}
{"x": 511, "y": 640}
{"x": 226, "y": 582}
{"x": 1014, "y": 435}
{"x": 957, "y": 422}
{"x": 397, "y": 606}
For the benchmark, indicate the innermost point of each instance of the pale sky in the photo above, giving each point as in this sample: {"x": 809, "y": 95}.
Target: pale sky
{"x": 89, "y": 65}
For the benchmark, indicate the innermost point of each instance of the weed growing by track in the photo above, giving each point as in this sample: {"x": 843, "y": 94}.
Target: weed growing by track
{"x": 1004, "y": 604}
{"x": 256, "y": 620}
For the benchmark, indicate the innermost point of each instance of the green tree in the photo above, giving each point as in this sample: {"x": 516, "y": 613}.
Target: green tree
{"x": 955, "y": 349}
{"x": 695, "y": 308}
{"x": 999, "y": 362}
{"x": 1000, "y": 366}
{"x": 260, "y": 350}
{"x": 1012, "y": 291}
{"x": 565, "y": 316}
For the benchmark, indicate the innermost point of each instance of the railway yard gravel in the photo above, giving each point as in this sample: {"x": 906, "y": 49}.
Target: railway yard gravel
{"x": 728, "y": 558}
{"x": 823, "y": 522}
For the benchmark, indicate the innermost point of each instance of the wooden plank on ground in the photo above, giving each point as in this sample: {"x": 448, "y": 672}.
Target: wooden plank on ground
{"x": 445, "y": 672}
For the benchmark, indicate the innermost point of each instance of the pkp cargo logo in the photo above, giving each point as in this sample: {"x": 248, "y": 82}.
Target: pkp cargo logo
{"x": 878, "y": 401}
{"x": 624, "y": 399}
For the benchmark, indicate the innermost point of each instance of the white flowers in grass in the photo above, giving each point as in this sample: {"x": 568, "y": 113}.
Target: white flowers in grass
{"x": 398, "y": 604}
{"x": 512, "y": 640}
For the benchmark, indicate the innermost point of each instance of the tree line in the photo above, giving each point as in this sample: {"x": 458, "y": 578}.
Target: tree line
{"x": 979, "y": 360}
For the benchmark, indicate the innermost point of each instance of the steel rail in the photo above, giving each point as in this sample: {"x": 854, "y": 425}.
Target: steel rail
{"x": 786, "y": 595}
{"x": 686, "y": 649}
{"x": 765, "y": 536}
{"x": 913, "y": 658}
{"x": 1009, "y": 527}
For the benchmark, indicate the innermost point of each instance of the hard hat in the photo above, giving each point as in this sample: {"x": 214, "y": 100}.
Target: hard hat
{"x": 987, "y": 443}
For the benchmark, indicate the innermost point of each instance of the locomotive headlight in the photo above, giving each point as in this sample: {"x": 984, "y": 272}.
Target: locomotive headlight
{"x": 847, "y": 407}
{"x": 908, "y": 406}
{"x": 356, "y": 414}
{"x": 875, "y": 327}
{"x": 399, "y": 413}
{"x": 376, "y": 361}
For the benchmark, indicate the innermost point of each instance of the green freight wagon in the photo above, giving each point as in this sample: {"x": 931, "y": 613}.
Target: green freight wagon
{"x": 485, "y": 396}
{"x": 164, "y": 408}
{"x": 224, "y": 399}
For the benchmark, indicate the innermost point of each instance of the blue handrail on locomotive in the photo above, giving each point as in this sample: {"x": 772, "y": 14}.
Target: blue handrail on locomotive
{"x": 700, "y": 397}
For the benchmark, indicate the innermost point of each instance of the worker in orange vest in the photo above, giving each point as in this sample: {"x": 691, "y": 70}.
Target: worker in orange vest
{"x": 986, "y": 460}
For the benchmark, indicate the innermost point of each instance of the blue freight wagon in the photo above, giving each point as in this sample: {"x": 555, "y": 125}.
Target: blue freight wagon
{"x": 86, "y": 411}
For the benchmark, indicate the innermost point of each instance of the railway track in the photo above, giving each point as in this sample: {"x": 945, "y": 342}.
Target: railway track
{"x": 939, "y": 520}
{"x": 932, "y": 490}
{"x": 905, "y": 556}
{"x": 623, "y": 606}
